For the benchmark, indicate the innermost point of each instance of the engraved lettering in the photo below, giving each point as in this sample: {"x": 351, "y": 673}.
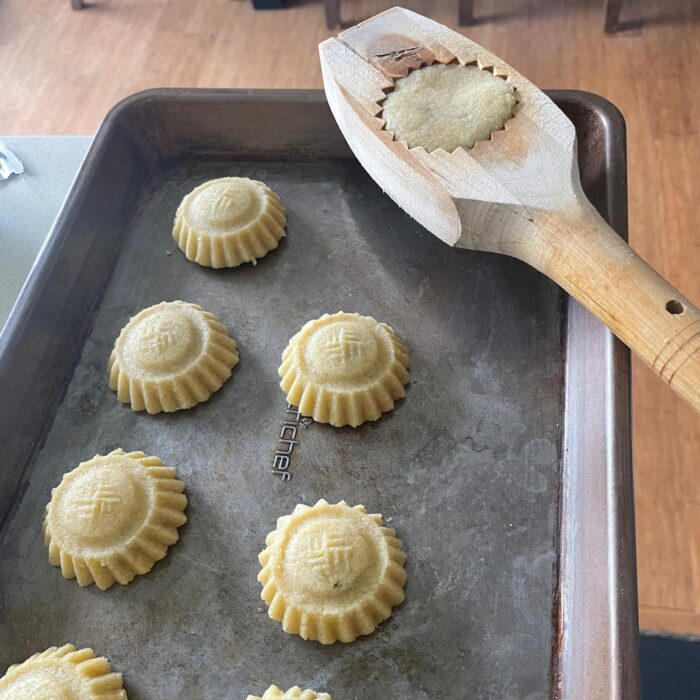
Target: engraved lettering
{"x": 305, "y": 422}
{"x": 285, "y": 447}
{"x": 289, "y": 431}
{"x": 288, "y": 439}
{"x": 280, "y": 463}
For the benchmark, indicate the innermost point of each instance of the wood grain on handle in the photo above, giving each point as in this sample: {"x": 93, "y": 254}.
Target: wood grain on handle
{"x": 591, "y": 262}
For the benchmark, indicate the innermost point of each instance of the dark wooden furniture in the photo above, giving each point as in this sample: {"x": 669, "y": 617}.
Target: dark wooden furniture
{"x": 611, "y": 13}
{"x": 465, "y": 13}
{"x": 332, "y": 13}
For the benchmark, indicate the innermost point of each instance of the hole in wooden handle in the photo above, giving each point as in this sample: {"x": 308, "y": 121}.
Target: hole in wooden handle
{"x": 674, "y": 307}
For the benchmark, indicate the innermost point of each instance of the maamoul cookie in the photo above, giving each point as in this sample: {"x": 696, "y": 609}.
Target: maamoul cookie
{"x": 62, "y": 673}
{"x": 331, "y": 572}
{"x": 295, "y": 693}
{"x": 229, "y": 221}
{"x": 113, "y": 517}
{"x": 447, "y": 106}
{"x": 344, "y": 369}
{"x": 171, "y": 356}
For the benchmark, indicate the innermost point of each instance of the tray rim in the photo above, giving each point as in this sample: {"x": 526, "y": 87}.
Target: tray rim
{"x": 597, "y": 656}
{"x": 586, "y": 653}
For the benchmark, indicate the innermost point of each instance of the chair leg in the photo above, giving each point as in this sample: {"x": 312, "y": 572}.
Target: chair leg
{"x": 332, "y": 13}
{"x": 612, "y": 11}
{"x": 466, "y": 13}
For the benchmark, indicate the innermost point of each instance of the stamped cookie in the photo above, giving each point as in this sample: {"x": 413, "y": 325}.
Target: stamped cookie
{"x": 448, "y": 106}
{"x": 113, "y": 517}
{"x": 171, "y": 356}
{"x": 62, "y": 673}
{"x": 229, "y": 221}
{"x": 331, "y": 572}
{"x": 344, "y": 369}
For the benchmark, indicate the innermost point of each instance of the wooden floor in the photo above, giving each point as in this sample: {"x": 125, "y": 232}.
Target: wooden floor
{"x": 60, "y": 71}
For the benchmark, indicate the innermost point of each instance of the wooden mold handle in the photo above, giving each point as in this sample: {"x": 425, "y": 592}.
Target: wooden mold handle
{"x": 593, "y": 264}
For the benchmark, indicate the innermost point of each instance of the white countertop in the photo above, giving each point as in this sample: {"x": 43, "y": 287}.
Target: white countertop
{"x": 29, "y": 204}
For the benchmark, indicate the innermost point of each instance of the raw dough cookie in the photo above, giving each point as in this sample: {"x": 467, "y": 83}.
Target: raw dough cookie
{"x": 344, "y": 369}
{"x": 229, "y": 221}
{"x": 171, "y": 356}
{"x": 62, "y": 674}
{"x": 447, "y": 106}
{"x": 295, "y": 693}
{"x": 331, "y": 572}
{"x": 113, "y": 517}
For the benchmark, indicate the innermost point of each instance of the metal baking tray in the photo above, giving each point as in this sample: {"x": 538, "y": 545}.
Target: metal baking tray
{"x": 505, "y": 471}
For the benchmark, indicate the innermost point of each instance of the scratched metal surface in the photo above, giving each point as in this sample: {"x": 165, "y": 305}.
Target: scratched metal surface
{"x": 466, "y": 467}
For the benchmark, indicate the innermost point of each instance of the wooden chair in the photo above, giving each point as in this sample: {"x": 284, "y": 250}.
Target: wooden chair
{"x": 465, "y": 13}
{"x": 611, "y": 13}
{"x": 332, "y": 13}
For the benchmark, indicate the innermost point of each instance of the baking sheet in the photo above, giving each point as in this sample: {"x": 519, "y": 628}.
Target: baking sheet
{"x": 466, "y": 467}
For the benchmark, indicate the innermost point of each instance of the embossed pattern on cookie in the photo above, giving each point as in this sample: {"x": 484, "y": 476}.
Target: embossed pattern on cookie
{"x": 171, "y": 356}
{"x": 331, "y": 572}
{"x": 344, "y": 369}
{"x": 62, "y": 673}
{"x": 113, "y": 517}
{"x": 295, "y": 693}
{"x": 229, "y": 221}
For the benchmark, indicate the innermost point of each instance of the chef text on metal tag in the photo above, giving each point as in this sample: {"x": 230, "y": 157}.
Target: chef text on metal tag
{"x": 288, "y": 440}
